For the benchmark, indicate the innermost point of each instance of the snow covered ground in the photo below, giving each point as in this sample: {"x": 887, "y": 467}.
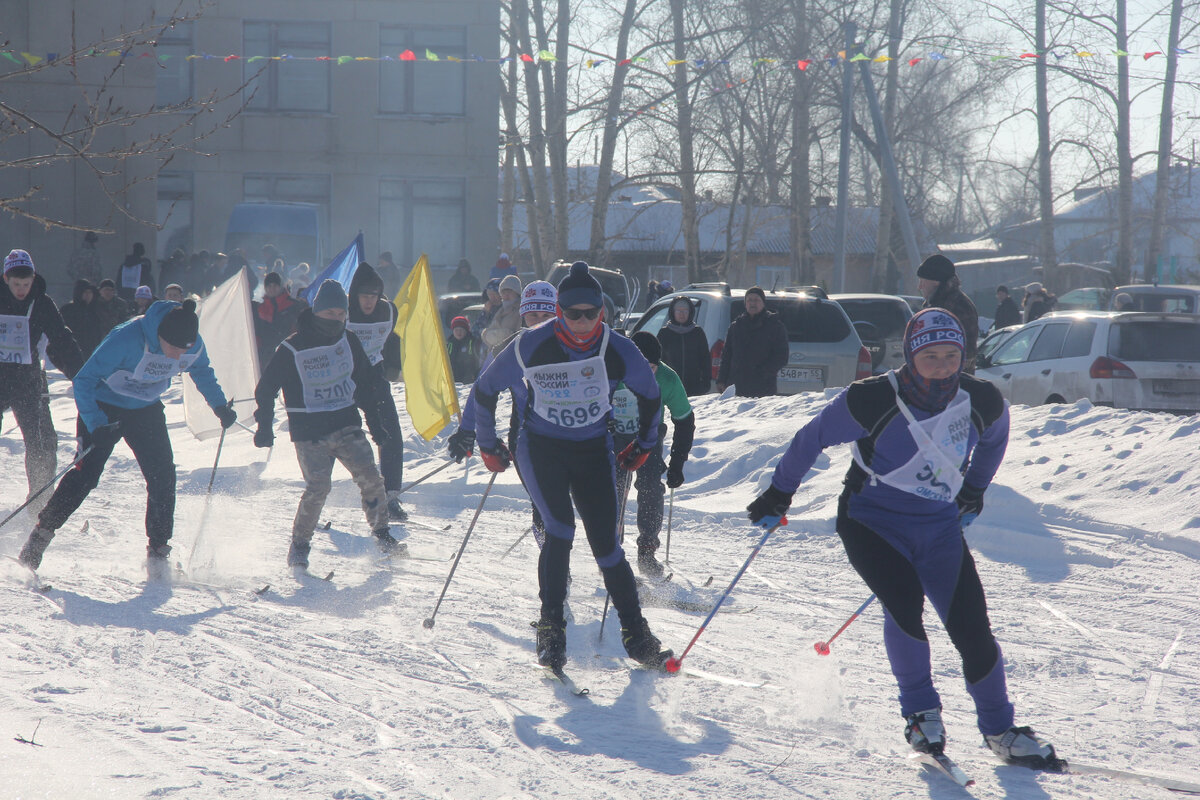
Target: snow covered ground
{"x": 1089, "y": 549}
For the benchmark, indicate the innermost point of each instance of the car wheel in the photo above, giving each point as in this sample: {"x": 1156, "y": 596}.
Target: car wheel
{"x": 1054, "y": 398}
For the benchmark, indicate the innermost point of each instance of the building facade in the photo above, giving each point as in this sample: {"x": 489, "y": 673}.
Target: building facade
{"x": 379, "y": 112}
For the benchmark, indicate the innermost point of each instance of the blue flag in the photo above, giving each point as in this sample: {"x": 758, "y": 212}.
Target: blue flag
{"x": 341, "y": 269}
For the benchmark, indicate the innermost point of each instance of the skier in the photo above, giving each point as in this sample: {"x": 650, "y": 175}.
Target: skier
{"x": 913, "y": 486}
{"x": 571, "y": 366}
{"x": 372, "y": 320}
{"x": 26, "y": 314}
{"x": 324, "y": 374}
{"x": 117, "y": 393}
{"x": 649, "y": 477}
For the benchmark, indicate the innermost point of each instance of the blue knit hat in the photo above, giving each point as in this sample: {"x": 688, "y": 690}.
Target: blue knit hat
{"x": 330, "y": 295}
{"x": 580, "y": 288}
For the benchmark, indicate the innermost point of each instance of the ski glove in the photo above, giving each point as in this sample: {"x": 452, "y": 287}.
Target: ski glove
{"x": 970, "y": 504}
{"x": 632, "y": 457}
{"x": 769, "y": 508}
{"x": 675, "y": 473}
{"x": 264, "y": 436}
{"x": 226, "y": 414}
{"x": 106, "y": 436}
{"x": 460, "y": 445}
{"x": 496, "y": 458}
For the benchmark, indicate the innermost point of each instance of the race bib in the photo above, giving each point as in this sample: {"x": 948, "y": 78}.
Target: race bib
{"x": 14, "y": 338}
{"x": 625, "y": 411}
{"x": 373, "y": 336}
{"x": 151, "y": 377}
{"x": 325, "y": 376}
{"x": 131, "y": 277}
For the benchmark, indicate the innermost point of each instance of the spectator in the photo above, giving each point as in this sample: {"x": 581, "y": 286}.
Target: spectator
{"x": 502, "y": 267}
{"x": 940, "y": 286}
{"x": 299, "y": 278}
{"x": 111, "y": 310}
{"x": 216, "y": 272}
{"x": 134, "y": 272}
{"x": 507, "y": 319}
{"x": 756, "y": 348}
{"x": 80, "y": 316}
{"x": 390, "y": 273}
{"x": 491, "y": 303}
{"x": 463, "y": 280}
{"x": 174, "y": 293}
{"x": 685, "y": 347}
{"x": 142, "y": 298}
{"x": 275, "y": 317}
{"x": 173, "y": 268}
{"x": 1038, "y": 302}
{"x": 84, "y": 263}
{"x": 1124, "y": 302}
{"x": 463, "y": 349}
{"x": 1007, "y": 312}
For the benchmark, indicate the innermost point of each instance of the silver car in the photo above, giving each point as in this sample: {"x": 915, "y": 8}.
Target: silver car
{"x": 879, "y": 320}
{"x": 824, "y": 349}
{"x": 1148, "y": 361}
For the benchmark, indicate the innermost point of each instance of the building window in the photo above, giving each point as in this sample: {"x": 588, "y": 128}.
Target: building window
{"x": 423, "y": 216}
{"x": 259, "y": 188}
{"x": 173, "y": 79}
{"x": 175, "y": 204}
{"x": 422, "y": 86}
{"x": 286, "y": 84}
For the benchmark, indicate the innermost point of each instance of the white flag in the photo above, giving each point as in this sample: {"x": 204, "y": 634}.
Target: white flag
{"x": 227, "y": 328}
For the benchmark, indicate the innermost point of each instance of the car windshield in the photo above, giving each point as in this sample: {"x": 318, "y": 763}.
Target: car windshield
{"x": 1155, "y": 340}
{"x": 887, "y": 317}
{"x": 806, "y": 319}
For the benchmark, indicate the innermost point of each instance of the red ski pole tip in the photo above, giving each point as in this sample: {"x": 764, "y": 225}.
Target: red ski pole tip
{"x": 822, "y": 648}
{"x": 673, "y": 664}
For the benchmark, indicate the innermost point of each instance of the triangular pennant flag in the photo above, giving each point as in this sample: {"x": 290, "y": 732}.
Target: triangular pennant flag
{"x": 936, "y": 57}
{"x": 408, "y": 55}
{"x": 231, "y": 57}
{"x": 546, "y": 55}
{"x": 1084, "y": 54}
{"x": 251, "y": 59}
{"x": 1151, "y": 54}
{"x": 912, "y": 62}
{"x": 1028, "y": 55}
{"x": 881, "y": 59}
{"x": 803, "y": 63}
{"x": 32, "y": 59}
{"x": 623, "y": 62}
{"x": 676, "y": 61}
{"x": 1179, "y": 51}
{"x": 527, "y": 57}
{"x": 860, "y": 57}
{"x": 344, "y": 59}
{"x": 12, "y": 58}
{"x": 430, "y": 55}
{"x": 1120, "y": 54}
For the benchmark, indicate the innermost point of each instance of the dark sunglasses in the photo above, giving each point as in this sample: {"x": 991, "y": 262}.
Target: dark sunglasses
{"x": 576, "y": 313}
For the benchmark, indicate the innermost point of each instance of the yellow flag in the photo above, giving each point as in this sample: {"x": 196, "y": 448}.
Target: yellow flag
{"x": 428, "y": 384}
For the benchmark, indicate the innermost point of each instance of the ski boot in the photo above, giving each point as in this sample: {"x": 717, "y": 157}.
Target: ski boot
{"x": 158, "y": 565}
{"x": 298, "y": 554}
{"x": 388, "y": 544}
{"x": 643, "y": 646}
{"x": 35, "y": 547}
{"x": 551, "y": 642}
{"x": 395, "y": 512}
{"x": 1021, "y": 746}
{"x": 648, "y": 565}
{"x": 925, "y": 732}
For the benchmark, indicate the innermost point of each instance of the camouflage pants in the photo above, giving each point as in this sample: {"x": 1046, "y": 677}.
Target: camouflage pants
{"x": 349, "y": 446}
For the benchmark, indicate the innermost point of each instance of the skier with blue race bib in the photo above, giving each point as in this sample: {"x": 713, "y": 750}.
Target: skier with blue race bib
{"x": 117, "y": 393}
{"x": 571, "y": 367}
{"x": 927, "y": 441}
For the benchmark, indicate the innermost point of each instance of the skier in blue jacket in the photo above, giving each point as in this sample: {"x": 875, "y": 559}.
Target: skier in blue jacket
{"x": 571, "y": 366}
{"x": 927, "y": 441}
{"x": 117, "y": 393}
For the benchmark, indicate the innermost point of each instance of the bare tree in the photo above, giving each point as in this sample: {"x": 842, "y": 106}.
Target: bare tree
{"x": 1162, "y": 184}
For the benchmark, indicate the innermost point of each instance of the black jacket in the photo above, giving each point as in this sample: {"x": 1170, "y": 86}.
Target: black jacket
{"x": 366, "y": 279}
{"x": 281, "y": 373}
{"x": 1006, "y": 314}
{"x": 756, "y": 348}
{"x": 950, "y": 297}
{"x": 685, "y": 350}
{"x": 82, "y": 318}
{"x": 146, "y": 279}
{"x": 44, "y": 318}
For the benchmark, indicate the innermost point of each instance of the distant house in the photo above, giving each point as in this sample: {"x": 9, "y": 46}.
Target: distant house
{"x": 644, "y": 238}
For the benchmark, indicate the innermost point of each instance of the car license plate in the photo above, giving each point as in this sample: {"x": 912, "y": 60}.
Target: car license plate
{"x": 1176, "y": 387}
{"x": 803, "y": 374}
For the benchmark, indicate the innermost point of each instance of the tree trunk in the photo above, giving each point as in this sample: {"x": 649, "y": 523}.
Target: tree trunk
{"x": 508, "y": 179}
{"x": 1124, "y": 261}
{"x": 687, "y": 157}
{"x": 608, "y": 144}
{"x": 1162, "y": 182}
{"x": 799, "y": 220}
{"x": 887, "y": 210}
{"x": 1046, "y": 249}
{"x": 536, "y": 143}
{"x": 558, "y": 132}
{"x": 508, "y": 103}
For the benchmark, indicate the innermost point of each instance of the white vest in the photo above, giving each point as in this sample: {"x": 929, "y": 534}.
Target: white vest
{"x": 573, "y": 394}
{"x": 325, "y": 376}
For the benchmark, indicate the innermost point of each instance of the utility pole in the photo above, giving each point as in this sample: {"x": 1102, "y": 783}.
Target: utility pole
{"x": 843, "y": 196}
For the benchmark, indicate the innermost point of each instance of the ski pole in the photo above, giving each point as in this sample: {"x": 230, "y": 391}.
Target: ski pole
{"x": 517, "y": 542}
{"x": 428, "y": 475}
{"x": 822, "y": 648}
{"x": 428, "y": 623}
{"x": 670, "y": 514}
{"x": 620, "y": 540}
{"x": 673, "y": 664}
{"x": 217, "y": 460}
{"x": 50, "y": 483}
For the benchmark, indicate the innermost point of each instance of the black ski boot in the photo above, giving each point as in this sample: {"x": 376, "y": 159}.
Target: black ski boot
{"x": 551, "y": 642}
{"x": 298, "y": 554}
{"x": 388, "y": 544}
{"x": 643, "y": 646}
{"x": 35, "y": 547}
{"x": 648, "y": 565}
{"x": 158, "y": 567}
{"x": 395, "y": 512}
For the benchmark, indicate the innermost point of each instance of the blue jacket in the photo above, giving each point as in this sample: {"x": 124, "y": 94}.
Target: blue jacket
{"x": 123, "y": 348}
{"x": 622, "y": 361}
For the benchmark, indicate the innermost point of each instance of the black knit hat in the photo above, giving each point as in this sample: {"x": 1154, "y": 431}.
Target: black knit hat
{"x": 580, "y": 288}
{"x": 648, "y": 344}
{"x": 180, "y": 327}
{"x": 936, "y": 268}
{"x": 273, "y": 278}
{"x": 366, "y": 280}
{"x": 758, "y": 291}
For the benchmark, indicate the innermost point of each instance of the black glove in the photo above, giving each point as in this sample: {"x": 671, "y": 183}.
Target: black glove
{"x": 264, "y": 436}
{"x": 769, "y": 508}
{"x": 106, "y": 436}
{"x": 675, "y": 474}
{"x": 496, "y": 458}
{"x": 970, "y": 503}
{"x": 461, "y": 443}
{"x": 226, "y": 414}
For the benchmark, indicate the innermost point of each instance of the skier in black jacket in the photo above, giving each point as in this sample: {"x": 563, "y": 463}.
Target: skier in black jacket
{"x": 685, "y": 347}
{"x": 326, "y": 378}
{"x": 26, "y": 313}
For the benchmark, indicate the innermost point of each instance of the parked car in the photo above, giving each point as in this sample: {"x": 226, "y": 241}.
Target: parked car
{"x": 1148, "y": 361}
{"x": 1089, "y": 298}
{"x": 992, "y": 341}
{"x": 612, "y": 281}
{"x": 879, "y": 320}
{"x": 1164, "y": 297}
{"x": 915, "y": 301}
{"x": 824, "y": 349}
{"x": 456, "y": 303}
